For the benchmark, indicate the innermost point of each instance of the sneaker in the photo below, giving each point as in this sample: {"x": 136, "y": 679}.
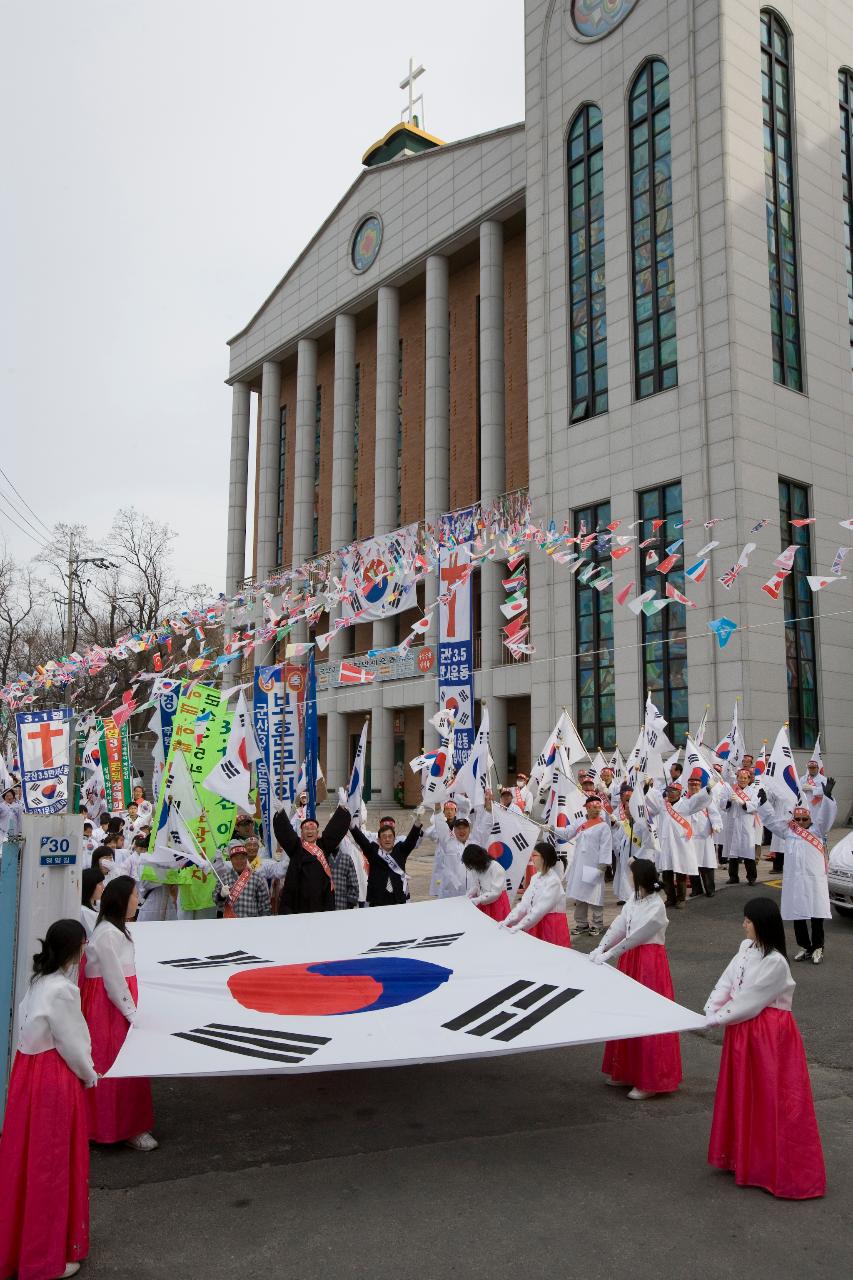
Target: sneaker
{"x": 616, "y": 1084}
{"x": 805, "y": 954}
{"x": 581, "y": 928}
{"x": 640, "y": 1095}
{"x": 593, "y": 931}
{"x": 71, "y": 1270}
{"x": 817, "y": 955}
{"x": 143, "y": 1142}
{"x": 731, "y": 881}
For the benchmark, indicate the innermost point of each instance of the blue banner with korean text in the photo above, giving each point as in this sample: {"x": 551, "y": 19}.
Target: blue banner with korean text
{"x": 455, "y": 636}
{"x": 275, "y": 713}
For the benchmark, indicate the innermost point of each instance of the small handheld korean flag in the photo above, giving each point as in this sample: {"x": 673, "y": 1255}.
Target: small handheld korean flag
{"x": 356, "y": 779}
{"x": 655, "y": 726}
{"x": 175, "y": 846}
{"x": 471, "y": 778}
{"x": 231, "y": 777}
{"x": 780, "y": 776}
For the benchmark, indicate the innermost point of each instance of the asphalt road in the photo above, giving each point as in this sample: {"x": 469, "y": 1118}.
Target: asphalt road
{"x": 523, "y": 1165}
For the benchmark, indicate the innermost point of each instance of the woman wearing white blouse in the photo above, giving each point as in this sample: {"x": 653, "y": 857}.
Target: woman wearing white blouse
{"x": 486, "y": 882}
{"x": 120, "y": 1110}
{"x": 764, "y": 1128}
{"x": 636, "y": 938}
{"x": 44, "y": 1153}
{"x": 542, "y": 910}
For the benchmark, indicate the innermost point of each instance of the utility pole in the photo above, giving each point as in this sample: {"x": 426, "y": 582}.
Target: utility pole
{"x": 69, "y": 614}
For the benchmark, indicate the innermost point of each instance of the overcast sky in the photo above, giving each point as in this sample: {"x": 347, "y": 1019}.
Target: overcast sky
{"x": 168, "y": 160}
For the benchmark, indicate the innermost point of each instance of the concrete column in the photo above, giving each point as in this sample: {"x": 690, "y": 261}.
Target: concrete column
{"x": 342, "y": 456}
{"x": 387, "y": 409}
{"x": 492, "y": 425}
{"x": 268, "y": 467}
{"x": 337, "y": 753}
{"x": 497, "y": 736}
{"x": 382, "y": 755}
{"x": 303, "y": 491}
{"x": 235, "y": 564}
{"x": 436, "y": 440}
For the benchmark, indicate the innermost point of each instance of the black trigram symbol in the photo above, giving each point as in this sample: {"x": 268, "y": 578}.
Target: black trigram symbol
{"x": 520, "y": 841}
{"x": 414, "y": 944}
{"x": 230, "y": 769}
{"x": 215, "y": 962}
{"x": 507, "y": 1024}
{"x": 256, "y": 1042}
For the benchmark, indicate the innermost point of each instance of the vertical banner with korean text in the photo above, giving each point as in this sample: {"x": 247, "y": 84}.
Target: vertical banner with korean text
{"x": 456, "y": 646}
{"x": 277, "y": 694}
{"x": 44, "y": 739}
{"x": 200, "y": 730}
{"x": 115, "y": 762}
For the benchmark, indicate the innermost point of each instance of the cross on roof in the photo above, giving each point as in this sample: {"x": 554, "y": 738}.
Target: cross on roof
{"x": 408, "y": 82}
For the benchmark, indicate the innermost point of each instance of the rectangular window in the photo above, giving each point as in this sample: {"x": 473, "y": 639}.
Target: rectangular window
{"x": 512, "y": 748}
{"x": 779, "y": 196}
{"x": 845, "y": 104}
{"x": 355, "y": 435}
{"x": 587, "y": 317}
{"x": 400, "y": 431}
{"x": 800, "y": 648}
{"x": 318, "y": 414}
{"x": 594, "y": 663}
{"x": 282, "y": 463}
{"x": 664, "y": 632}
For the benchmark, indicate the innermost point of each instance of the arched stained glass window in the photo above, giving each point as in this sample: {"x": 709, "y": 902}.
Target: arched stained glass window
{"x": 779, "y": 201}
{"x": 845, "y": 106}
{"x": 652, "y": 258}
{"x": 588, "y": 336}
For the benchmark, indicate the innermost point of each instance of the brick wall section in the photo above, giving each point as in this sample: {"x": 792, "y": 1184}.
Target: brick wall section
{"x": 365, "y": 357}
{"x": 288, "y": 399}
{"x": 413, "y": 728}
{"x": 413, "y": 336}
{"x": 515, "y": 357}
{"x": 464, "y": 287}
{"x": 326, "y": 381}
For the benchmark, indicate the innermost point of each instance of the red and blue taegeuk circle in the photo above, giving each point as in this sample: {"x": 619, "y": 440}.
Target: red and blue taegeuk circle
{"x": 330, "y": 987}
{"x": 501, "y": 853}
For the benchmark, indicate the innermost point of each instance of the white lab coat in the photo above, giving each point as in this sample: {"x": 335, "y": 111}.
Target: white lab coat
{"x": 741, "y": 836}
{"x": 641, "y": 846}
{"x": 642, "y": 921}
{"x": 483, "y": 887}
{"x": 593, "y": 852}
{"x": 110, "y": 956}
{"x": 677, "y": 850}
{"x": 751, "y": 983}
{"x": 706, "y": 824}
{"x": 448, "y": 872}
{"x": 805, "y": 887}
{"x": 542, "y": 897}
{"x": 50, "y": 1017}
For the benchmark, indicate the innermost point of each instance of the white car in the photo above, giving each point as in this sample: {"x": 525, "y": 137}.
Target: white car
{"x": 841, "y": 876}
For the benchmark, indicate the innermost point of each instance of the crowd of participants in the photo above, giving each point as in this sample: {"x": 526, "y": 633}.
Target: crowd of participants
{"x": 83, "y": 996}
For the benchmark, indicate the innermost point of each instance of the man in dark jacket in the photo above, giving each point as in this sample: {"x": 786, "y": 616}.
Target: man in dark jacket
{"x": 320, "y": 876}
{"x": 387, "y": 882}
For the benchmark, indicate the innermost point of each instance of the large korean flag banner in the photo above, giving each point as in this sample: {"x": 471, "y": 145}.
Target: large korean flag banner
{"x": 427, "y": 982}
{"x": 378, "y": 576}
{"x": 44, "y": 739}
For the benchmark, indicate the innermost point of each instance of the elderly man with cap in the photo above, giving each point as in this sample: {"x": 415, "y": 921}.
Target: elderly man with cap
{"x": 243, "y": 893}
{"x": 677, "y": 858}
{"x": 387, "y": 882}
{"x": 449, "y": 877}
{"x": 805, "y": 887}
{"x": 707, "y": 822}
{"x": 812, "y": 783}
{"x": 521, "y": 793}
{"x": 632, "y": 838}
{"x": 593, "y": 855}
{"x": 320, "y": 875}
{"x": 739, "y": 799}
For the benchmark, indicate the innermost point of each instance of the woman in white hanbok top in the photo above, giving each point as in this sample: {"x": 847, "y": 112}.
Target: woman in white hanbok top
{"x": 542, "y": 910}
{"x": 486, "y": 882}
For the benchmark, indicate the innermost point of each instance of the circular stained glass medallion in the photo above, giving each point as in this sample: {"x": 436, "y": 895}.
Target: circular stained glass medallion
{"x": 366, "y": 242}
{"x": 593, "y": 19}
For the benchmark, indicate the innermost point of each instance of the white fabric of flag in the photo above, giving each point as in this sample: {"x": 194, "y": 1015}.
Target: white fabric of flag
{"x": 175, "y": 846}
{"x": 511, "y": 840}
{"x": 231, "y": 777}
{"x": 428, "y": 982}
{"x": 780, "y": 776}
{"x": 472, "y": 776}
{"x": 731, "y": 748}
{"x": 356, "y": 778}
{"x": 595, "y": 766}
{"x": 655, "y": 727}
{"x": 179, "y": 789}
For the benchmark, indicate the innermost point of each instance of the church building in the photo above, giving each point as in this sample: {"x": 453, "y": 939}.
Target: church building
{"x": 635, "y": 305}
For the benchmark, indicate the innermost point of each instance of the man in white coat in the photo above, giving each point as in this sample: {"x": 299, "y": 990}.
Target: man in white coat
{"x": 805, "y": 887}
{"x": 739, "y": 801}
{"x": 707, "y": 823}
{"x": 585, "y": 877}
{"x": 677, "y": 858}
{"x": 449, "y": 875}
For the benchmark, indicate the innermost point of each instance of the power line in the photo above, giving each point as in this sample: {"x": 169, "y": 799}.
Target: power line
{"x": 38, "y": 533}
{"x": 5, "y": 516}
{"x": 26, "y": 504}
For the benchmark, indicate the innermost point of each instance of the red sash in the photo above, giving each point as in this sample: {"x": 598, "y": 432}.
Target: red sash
{"x": 686, "y": 828}
{"x": 590, "y": 822}
{"x": 741, "y": 795}
{"x": 236, "y": 889}
{"x": 605, "y": 804}
{"x": 803, "y": 834}
{"x": 317, "y": 852}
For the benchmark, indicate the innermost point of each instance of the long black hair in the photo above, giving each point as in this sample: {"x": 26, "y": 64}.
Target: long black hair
{"x": 92, "y": 877}
{"x": 547, "y": 853}
{"x": 60, "y": 946}
{"x": 114, "y": 902}
{"x": 476, "y": 857}
{"x": 645, "y": 876}
{"x": 766, "y": 919}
